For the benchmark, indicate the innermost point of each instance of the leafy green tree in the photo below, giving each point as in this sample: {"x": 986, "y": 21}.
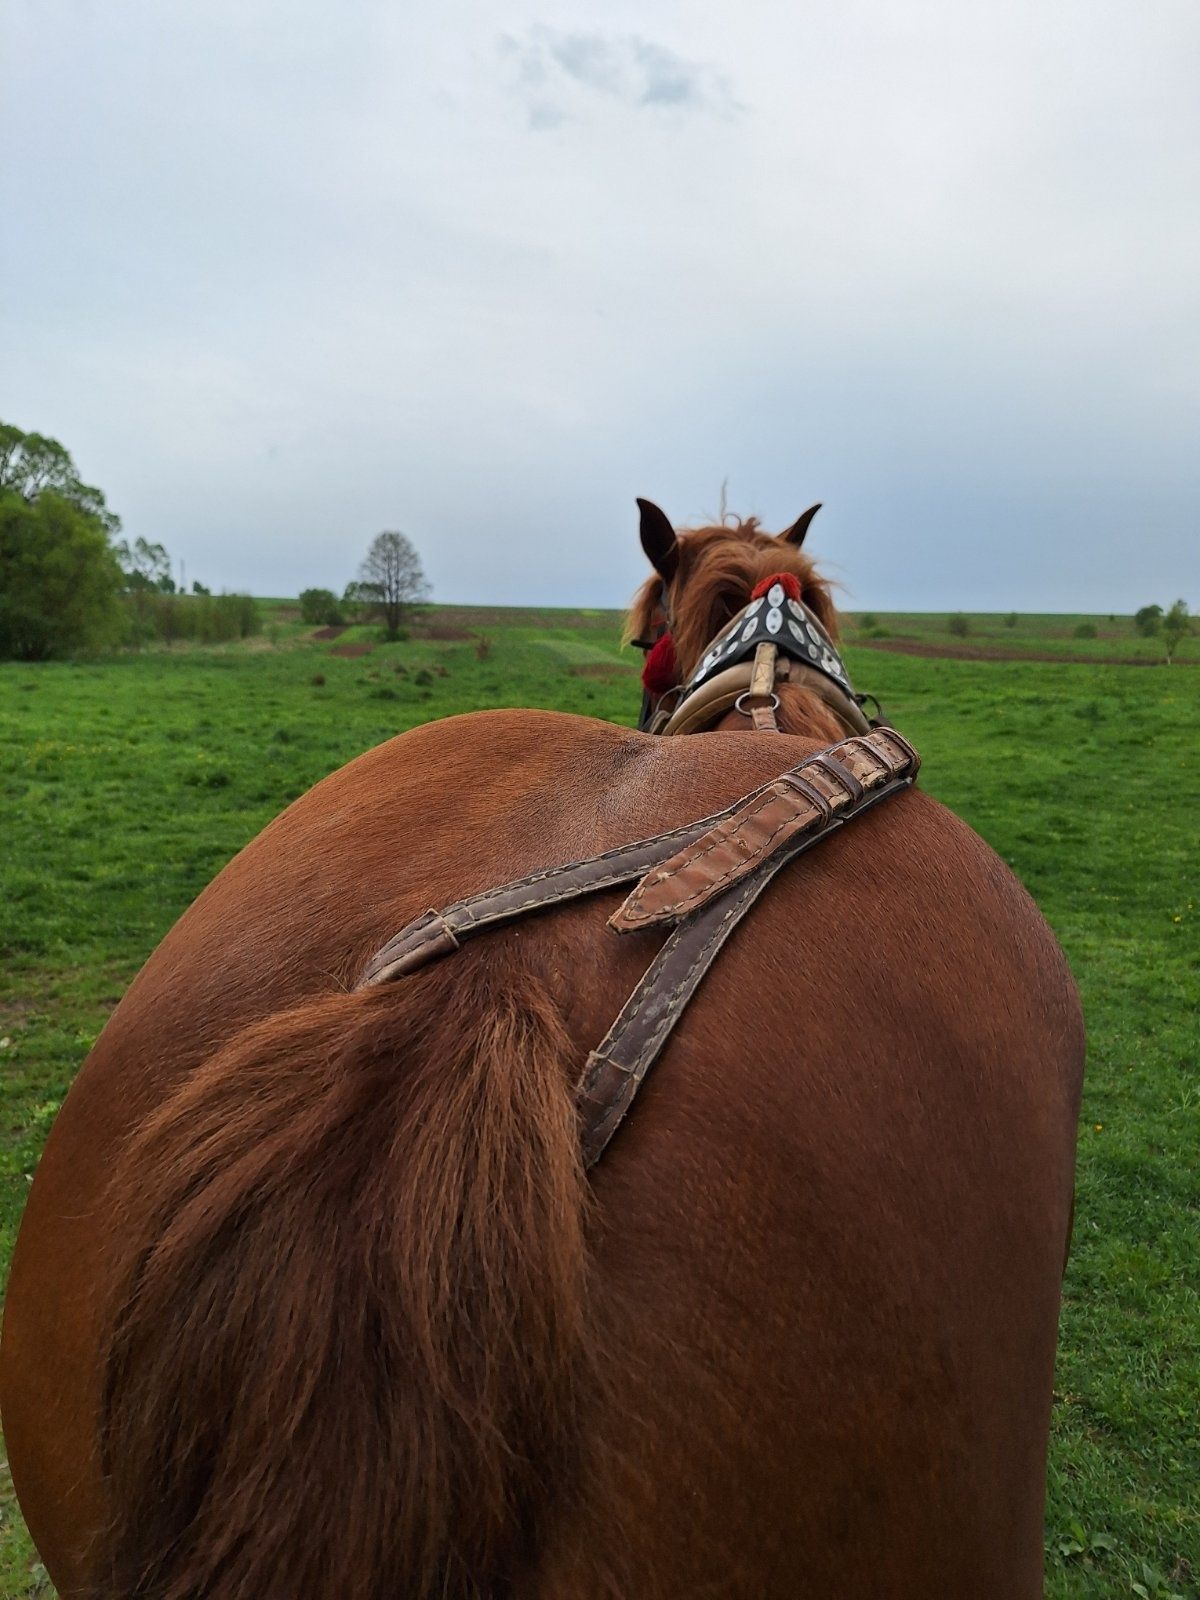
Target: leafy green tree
{"x": 1148, "y": 620}
{"x": 390, "y": 580}
{"x": 59, "y": 577}
{"x": 321, "y": 606}
{"x": 32, "y": 464}
{"x": 959, "y": 625}
{"x": 146, "y": 566}
{"x": 1176, "y": 626}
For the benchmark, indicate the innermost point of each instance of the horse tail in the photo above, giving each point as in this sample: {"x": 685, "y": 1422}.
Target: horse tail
{"x": 348, "y": 1347}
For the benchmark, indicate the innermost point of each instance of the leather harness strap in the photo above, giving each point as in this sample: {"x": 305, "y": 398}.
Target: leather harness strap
{"x": 702, "y": 877}
{"x": 438, "y": 932}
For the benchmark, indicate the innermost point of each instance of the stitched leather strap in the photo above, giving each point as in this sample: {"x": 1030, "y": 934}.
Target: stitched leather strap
{"x": 806, "y": 800}
{"x": 437, "y": 933}
{"x": 703, "y": 877}
{"x": 618, "y": 1066}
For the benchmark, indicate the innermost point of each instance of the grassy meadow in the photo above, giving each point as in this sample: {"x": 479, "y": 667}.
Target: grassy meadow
{"x": 126, "y": 783}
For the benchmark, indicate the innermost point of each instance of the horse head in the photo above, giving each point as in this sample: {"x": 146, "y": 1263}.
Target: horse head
{"x": 703, "y": 577}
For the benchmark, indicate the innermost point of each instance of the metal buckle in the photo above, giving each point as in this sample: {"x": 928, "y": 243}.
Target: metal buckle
{"x": 771, "y": 700}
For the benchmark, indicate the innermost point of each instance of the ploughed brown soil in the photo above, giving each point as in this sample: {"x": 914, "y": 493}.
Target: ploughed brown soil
{"x": 351, "y": 650}
{"x": 444, "y": 631}
{"x": 328, "y": 633}
{"x": 998, "y": 652}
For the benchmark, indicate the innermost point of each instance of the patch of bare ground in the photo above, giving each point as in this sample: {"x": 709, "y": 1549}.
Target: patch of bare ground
{"x": 985, "y": 652}
{"x": 603, "y": 669}
{"x": 351, "y": 651}
{"x": 327, "y": 633}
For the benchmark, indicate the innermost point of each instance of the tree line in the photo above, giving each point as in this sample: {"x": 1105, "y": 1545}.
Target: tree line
{"x": 68, "y": 586}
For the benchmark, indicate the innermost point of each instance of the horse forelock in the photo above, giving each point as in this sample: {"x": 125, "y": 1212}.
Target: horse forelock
{"x": 719, "y": 567}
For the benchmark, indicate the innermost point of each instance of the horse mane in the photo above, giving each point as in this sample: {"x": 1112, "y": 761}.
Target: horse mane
{"x": 719, "y": 566}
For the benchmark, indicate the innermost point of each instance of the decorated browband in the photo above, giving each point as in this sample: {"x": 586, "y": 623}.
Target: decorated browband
{"x": 773, "y": 618}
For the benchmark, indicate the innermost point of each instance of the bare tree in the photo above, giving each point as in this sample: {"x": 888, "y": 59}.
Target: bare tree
{"x": 390, "y": 579}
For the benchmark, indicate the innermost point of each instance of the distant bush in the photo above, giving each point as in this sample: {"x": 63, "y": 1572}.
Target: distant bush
{"x": 868, "y": 622}
{"x": 1010, "y": 620}
{"x": 198, "y": 618}
{"x": 1148, "y": 620}
{"x": 321, "y": 607}
{"x": 1085, "y": 630}
{"x": 483, "y": 647}
{"x": 423, "y": 678}
{"x": 318, "y": 680}
{"x": 959, "y": 626}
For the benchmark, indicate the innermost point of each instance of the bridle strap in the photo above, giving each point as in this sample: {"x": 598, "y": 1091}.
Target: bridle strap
{"x": 701, "y": 879}
{"x": 708, "y": 704}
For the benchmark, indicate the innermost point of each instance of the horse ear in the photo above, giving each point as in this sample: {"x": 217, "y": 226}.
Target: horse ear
{"x": 795, "y": 534}
{"x": 658, "y": 540}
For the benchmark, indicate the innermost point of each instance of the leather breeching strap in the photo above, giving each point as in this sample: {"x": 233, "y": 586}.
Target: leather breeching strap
{"x": 699, "y": 881}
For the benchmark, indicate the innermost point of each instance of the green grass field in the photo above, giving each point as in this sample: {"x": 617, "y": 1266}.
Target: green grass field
{"x": 127, "y": 783}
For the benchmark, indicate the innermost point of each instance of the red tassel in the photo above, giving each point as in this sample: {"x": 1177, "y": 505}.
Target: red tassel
{"x": 788, "y": 581}
{"x": 661, "y": 671}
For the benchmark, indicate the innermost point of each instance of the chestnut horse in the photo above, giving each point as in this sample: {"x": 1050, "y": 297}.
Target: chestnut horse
{"x": 313, "y": 1299}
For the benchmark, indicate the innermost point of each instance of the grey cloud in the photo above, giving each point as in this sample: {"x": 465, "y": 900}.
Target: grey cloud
{"x": 283, "y": 274}
{"x": 628, "y": 69}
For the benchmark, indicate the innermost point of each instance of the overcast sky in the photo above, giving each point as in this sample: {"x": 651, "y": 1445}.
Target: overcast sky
{"x": 282, "y": 273}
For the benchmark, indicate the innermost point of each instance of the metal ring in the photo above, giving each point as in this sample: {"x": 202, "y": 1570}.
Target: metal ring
{"x": 772, "y": 701}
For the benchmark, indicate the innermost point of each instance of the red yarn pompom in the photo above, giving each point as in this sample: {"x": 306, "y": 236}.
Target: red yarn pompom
{"x": 788, "y": 581}
{"x": 661, "y": 671}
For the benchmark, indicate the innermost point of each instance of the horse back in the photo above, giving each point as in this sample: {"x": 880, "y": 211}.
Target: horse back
{"x": 825, "y": 1249}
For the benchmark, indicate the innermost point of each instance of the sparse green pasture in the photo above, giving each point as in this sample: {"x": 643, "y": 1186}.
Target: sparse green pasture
{"x": 127, "y": 783}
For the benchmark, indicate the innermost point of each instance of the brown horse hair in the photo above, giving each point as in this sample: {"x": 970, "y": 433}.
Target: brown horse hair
{"x": 719, "y": 566}
{"x": 348, "y": 1347}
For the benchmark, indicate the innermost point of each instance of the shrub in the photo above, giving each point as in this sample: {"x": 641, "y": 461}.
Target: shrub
{"x": 318, "y": 680}
{"x": 483, "y": 647}
{"x": 1085, "y": 630}
{"x": 203, "y": 618}
{"x": 59, "y": 579}
{"x": 423, "y": 678}
{"x": 321, "y": 607}
{"x": 1010, "y": 620}
{"x": 1148, "y": 620}
{"x": 868, "y": 622}
{"x": 959, "y": 626}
